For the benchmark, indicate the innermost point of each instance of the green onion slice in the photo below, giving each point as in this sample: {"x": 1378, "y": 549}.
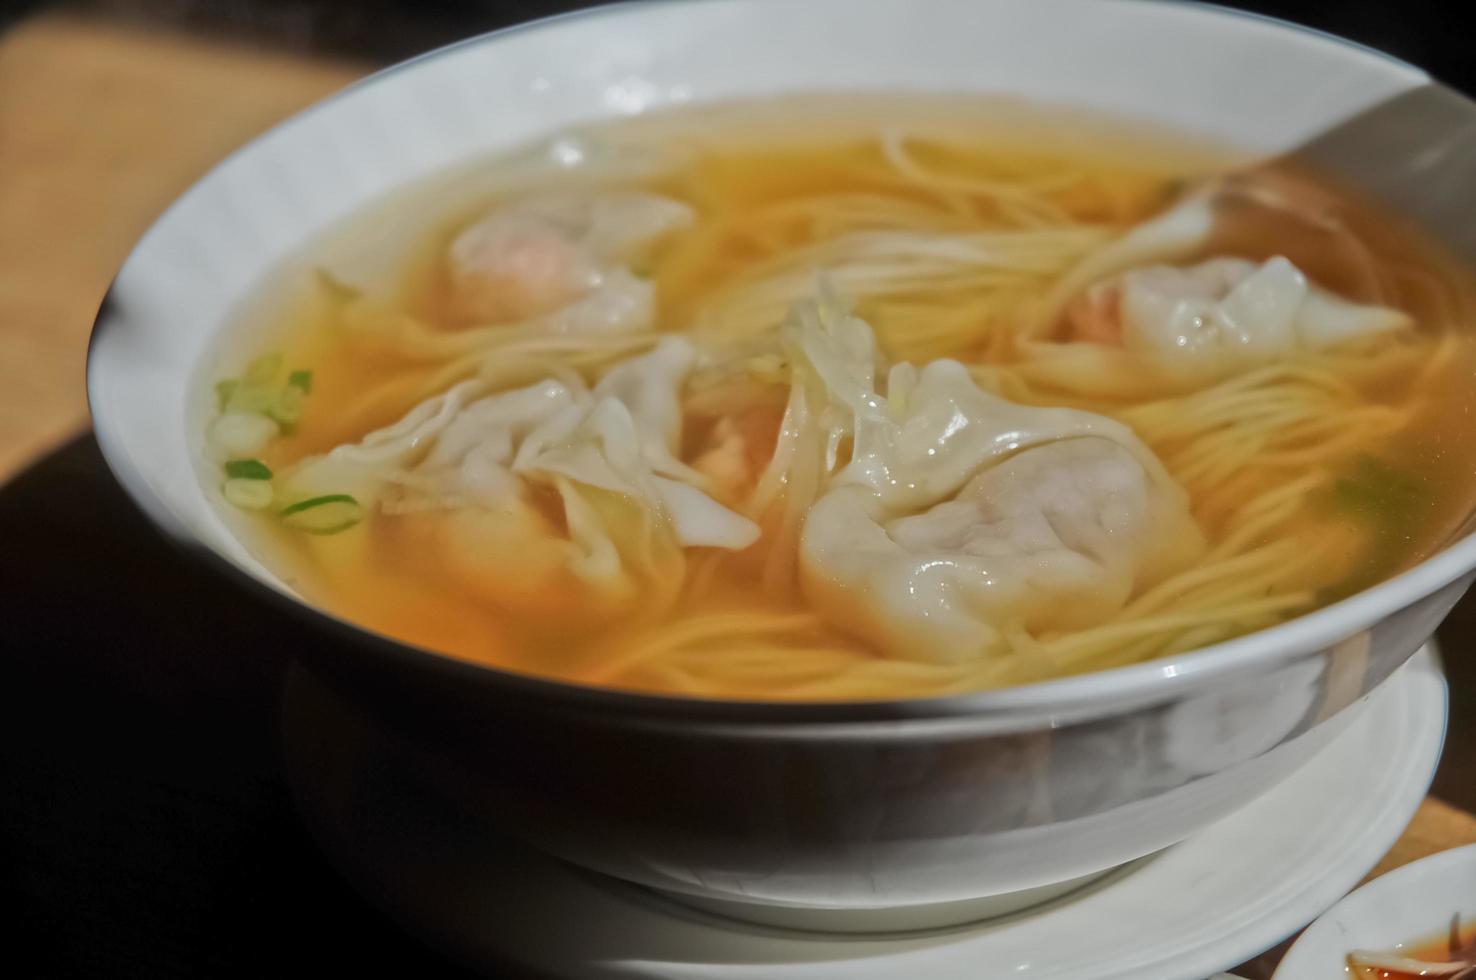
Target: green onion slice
{"x": 301, "y": 380}
{"x": 248, "y": 494}
{"x": 286, "y": 406}
{"x": 252, "y": 399}
{"x": 248, "y": 469}
{"x": 327, "y": 514}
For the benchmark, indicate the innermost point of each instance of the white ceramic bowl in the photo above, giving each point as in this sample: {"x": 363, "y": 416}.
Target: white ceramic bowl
{"x": 1402, "y": 909}
{"x": 928, "y": 802}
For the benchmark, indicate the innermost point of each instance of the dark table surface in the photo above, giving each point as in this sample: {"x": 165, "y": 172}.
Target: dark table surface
{"x": 145, "y": 830}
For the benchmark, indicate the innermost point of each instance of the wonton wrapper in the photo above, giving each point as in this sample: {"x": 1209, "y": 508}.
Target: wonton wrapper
{"x": 546, "y": 491}
{"x": 563, "y": 259}
{"x": 961, "y": 513}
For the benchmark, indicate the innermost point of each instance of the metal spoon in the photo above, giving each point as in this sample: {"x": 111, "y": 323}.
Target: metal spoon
{"x": 1416, "y": 153}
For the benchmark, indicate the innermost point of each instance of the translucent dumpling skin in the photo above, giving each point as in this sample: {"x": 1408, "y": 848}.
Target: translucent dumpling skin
{"x": 547, "y": 491}
{"x": 963, "y": 515}
{"x": 563, "y": 259}
{"x": 1229, "y": 312}
{"x": 1210, "y": 318}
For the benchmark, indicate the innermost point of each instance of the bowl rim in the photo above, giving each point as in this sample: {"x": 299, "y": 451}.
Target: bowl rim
{"x": 1071, "y": 698}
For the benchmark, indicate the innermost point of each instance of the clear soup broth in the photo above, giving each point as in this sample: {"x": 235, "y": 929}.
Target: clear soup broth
{"x": 907, "y": 399}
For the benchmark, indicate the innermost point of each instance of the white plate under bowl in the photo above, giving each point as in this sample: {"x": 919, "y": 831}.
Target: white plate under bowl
{"x": 1404, "y": 908}
{"x": 1204, "y": 905}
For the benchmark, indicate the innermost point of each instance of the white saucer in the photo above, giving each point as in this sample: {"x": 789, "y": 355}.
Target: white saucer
{"x": 1204, "y": 905}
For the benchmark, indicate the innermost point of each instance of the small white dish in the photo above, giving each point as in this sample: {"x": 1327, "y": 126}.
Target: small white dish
{"x": 1406, "y": 908}
{"x": 1207, "y": 904}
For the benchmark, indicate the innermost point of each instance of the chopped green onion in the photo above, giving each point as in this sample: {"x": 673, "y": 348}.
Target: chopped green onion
{"x": 248, "y": 493}
{"x": 302, "y": 380}
{"x": 239, "y": 435}
{"x": 327, "y": 514}
{"x": 248, "y": 469}
{"x": 254, "y": 399}
{"x": 263, "y": 371}
{"x": 286, "y": 406}
{"x": 224, "y": 390}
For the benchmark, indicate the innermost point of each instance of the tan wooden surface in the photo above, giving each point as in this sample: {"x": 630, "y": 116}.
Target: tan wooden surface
{"x": 99, "y": 129}
{"x": 1437, "y": 826}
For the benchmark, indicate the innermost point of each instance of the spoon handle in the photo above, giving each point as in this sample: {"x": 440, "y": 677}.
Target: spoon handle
{"x": 1417, "y": 152}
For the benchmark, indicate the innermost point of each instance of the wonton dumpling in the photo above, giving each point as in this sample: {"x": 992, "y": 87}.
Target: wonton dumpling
{"x": 527, "y": 489}
{"x": 1207, "y": 319}
{"x": 563, "y": 258}
{"x": 961, "y": 512}
{"x": 488, "y": 495}
{"x": 1225, "y": 313}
